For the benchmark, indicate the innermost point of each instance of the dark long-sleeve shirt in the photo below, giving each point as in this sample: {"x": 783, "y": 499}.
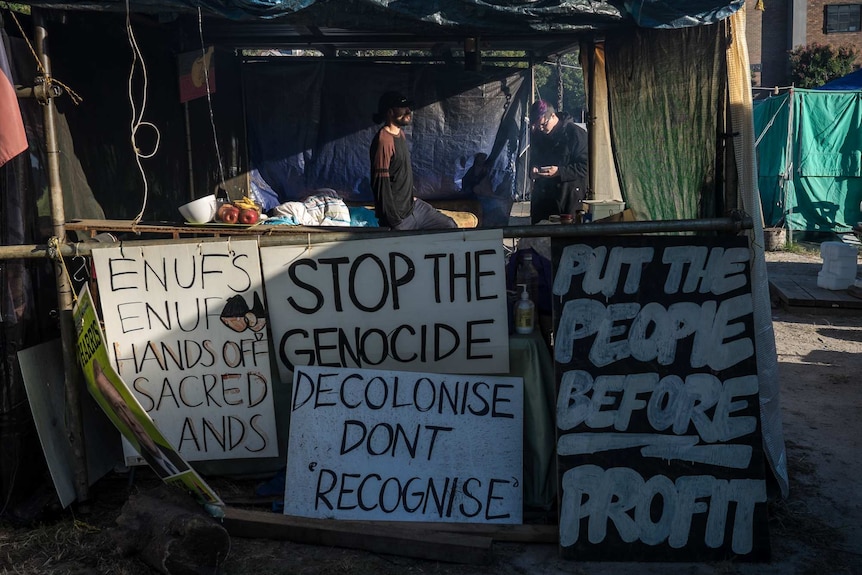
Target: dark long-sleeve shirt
{"x": 565, "y": 147}
{"x": 391, "y": 177}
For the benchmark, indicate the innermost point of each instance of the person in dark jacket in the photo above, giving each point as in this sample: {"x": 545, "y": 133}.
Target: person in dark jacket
{"x": 558, "y": 163}
{"x": 392, "y": 174}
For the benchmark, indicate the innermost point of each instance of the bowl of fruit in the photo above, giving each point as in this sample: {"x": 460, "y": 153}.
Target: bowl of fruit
{"x": 243, "y": 211}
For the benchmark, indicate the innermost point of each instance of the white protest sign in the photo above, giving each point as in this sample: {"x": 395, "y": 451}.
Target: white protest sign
{"x": 405, "y": 446}
{"x": 185, "y": 326}
{"x": 433, "y": 302}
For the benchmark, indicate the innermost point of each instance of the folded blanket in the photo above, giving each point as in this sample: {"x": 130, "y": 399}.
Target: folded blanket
{"x": 323, "y": 208}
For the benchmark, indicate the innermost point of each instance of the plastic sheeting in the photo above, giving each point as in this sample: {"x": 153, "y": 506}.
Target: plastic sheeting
{"x": 852, "y": 81}
{"x": 479, "y": 16}
{"x": 739, "y": 94}
{"x": 667, "y": 87}
{"x": 319, "y": 132}
{"x": 810, "y": 159}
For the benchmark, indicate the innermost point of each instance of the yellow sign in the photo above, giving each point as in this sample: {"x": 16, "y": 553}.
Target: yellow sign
{"x": 123, "y": 409}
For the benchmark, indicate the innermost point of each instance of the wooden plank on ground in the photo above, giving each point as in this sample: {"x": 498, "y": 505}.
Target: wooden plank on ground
{"x": 803, "y": 291}
{"x": 497, "y": 532}
{"x": 789, "y": 292}
{"x": 395, "y": 539}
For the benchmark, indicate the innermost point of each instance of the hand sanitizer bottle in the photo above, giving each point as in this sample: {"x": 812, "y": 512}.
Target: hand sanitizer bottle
{"x": 525, "y": 313}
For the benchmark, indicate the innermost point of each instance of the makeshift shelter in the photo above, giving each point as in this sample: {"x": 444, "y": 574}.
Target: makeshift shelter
{"x": 809, "y": 154}
{"x": 659, "y": 138}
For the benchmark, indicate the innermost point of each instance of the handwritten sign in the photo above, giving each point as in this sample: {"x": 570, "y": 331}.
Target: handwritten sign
{"x": 187, "y": 324}
{"x": 119, "y": 404}
{"x": 405, "y": 446}
{"x": 658, "y": 430}
{"x": 432, "y": 302}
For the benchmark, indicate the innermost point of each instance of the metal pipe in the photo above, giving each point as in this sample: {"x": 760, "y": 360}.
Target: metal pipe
{"x": 39, "y": 92}
{"x": 74, "y": 426}
{"x": 300, "y": 235}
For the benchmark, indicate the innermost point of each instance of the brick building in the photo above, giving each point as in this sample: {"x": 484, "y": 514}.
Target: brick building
{"x": 783, "y": 25}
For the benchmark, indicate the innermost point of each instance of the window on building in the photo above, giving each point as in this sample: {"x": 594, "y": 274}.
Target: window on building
{"x": 843, "y": 18}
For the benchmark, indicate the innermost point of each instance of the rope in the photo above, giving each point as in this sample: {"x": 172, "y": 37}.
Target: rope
{"x": 55, "y": 254}
{"x": 769, "y": 124}
{"x": 209, "y": 99}
{"x": 137, "y": 121}
{"x": 76, "y": 99}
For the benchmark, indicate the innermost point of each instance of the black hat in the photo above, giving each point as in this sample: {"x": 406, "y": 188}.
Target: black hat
{"x": 391, "y": 100}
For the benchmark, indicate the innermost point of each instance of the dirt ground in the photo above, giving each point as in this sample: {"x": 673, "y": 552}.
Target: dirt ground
{"x": 817, "y": 529}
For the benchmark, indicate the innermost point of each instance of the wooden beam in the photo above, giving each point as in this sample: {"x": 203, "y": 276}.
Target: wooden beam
{"x": 393, "y": 539}
{"x": 497, "y": 532}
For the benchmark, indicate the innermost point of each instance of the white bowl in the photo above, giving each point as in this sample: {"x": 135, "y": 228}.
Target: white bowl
{"x": 201, "y": 210}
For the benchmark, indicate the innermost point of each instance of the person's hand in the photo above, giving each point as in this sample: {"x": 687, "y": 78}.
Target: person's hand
{"x": 545, "y": 172}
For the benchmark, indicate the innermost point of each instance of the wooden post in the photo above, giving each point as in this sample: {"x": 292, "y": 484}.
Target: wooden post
{"x": 72, "y": 380}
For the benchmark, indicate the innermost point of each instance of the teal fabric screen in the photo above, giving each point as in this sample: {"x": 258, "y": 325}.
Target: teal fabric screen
{"x": 811, "y": 180}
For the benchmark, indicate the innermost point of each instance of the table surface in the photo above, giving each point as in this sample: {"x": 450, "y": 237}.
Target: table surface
{"x": 93, "y": 227}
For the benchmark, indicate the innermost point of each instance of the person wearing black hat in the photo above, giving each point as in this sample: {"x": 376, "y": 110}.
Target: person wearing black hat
{"x": 558, "y": 163}
{"x": 392, "y": 173}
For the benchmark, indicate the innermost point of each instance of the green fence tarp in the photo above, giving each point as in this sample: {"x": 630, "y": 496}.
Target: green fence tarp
{"x": 809, "y": 158}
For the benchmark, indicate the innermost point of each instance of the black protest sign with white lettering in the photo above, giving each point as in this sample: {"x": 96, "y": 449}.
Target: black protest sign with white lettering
{"x": 433, "y": 302}
{"x": 658, "y": 429}
{"x": 405, "y": 446}
{"x": 186, "y": 328}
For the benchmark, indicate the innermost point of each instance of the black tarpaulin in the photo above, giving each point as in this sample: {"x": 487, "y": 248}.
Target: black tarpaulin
{"x": 310, "y": 127}
{"x": 517, "y": 16}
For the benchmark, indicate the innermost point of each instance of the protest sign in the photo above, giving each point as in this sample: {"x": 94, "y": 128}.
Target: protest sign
{"x": 186, "y": 325}
{"x": 658, "y": 421}
{"x": 433, "y": 302}
{"x": 405, "y": 446}
{"x": 124, "y": 411}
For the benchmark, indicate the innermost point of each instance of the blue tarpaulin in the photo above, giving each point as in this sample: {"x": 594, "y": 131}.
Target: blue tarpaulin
{"x": 852, "y": 81}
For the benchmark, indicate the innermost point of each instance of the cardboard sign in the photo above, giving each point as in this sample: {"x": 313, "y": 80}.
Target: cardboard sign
{"x": 658, "y": 421}
{"x": 434, "y": 302}
{"x": 405, "y": 446}
{"x": 186, "y": 325}
{"x": 124, "y": 411}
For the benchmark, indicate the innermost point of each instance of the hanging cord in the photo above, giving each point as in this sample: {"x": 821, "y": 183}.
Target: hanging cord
{"x": 137, "y": 118}
{"x": 209, "y": 98}
{"x": 559, "y": 84}
{"x": 76, "y": 99}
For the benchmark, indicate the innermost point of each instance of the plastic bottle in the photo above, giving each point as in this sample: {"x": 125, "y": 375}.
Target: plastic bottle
{"x": 525, "y": 313}
{"x": 527, "y": 275}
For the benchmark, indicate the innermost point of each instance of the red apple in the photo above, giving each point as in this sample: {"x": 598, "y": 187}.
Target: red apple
{"x": 221, "y": 211}
{"x": 248, "y": 216}
{"x": 230, "y": 215}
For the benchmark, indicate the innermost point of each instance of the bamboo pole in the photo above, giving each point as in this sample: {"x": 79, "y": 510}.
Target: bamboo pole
{"x": 74, "y": 426}
{"x": 308, "y": 236}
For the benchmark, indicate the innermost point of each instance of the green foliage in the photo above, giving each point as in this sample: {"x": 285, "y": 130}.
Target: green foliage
{"x": 574, "y": 94}
{"x": 13, "y": 7}
{"x": 815, "y": 64}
